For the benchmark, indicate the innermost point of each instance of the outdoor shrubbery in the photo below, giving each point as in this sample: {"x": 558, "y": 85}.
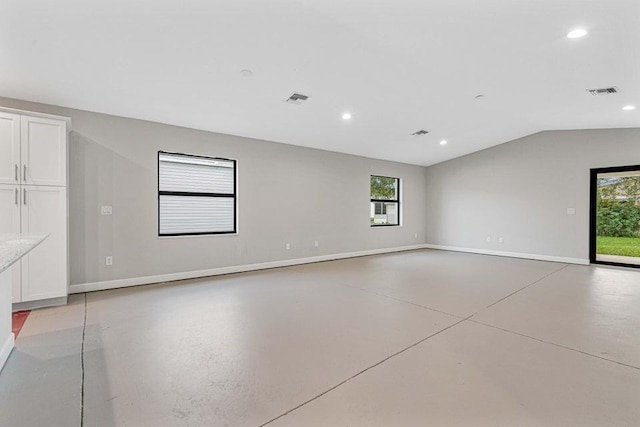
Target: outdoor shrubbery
{"x": 618, "y": 218}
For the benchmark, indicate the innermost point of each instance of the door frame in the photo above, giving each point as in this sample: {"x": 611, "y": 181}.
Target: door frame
{"x": 593, "y": 211}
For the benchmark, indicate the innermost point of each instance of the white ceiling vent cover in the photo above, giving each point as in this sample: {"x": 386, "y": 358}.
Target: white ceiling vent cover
{"x": 296, "y": 98}
{"x": 420, "y": 132}
{"x": 603, "y": 91}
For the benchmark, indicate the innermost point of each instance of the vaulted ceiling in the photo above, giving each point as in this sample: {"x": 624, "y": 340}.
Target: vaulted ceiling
{"x": 396, "y": 66}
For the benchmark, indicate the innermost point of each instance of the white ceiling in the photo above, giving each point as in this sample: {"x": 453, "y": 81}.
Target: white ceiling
{"x": 397, "y": 65}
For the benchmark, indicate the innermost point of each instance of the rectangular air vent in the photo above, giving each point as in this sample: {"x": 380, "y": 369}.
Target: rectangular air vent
{"x": 420, "y": 132}
{"x": 297, "y": 98}
{"x": 603, "y": 91}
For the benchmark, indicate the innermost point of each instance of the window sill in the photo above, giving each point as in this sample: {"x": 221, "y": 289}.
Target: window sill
{"x": 199, "y": 236}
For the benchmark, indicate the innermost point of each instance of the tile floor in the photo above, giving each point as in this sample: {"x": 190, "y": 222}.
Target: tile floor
{"x": 410, "y": 339}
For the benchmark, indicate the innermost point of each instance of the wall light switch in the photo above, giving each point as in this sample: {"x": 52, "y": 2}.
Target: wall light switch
{"x": 106, "y": 210}
{"x": 488, "y": 239}
{"x": 500, "y": 240}
{"x": 287, "y": 246}
{"x": 571, "y": 211}
{"x": 315, "y": 243}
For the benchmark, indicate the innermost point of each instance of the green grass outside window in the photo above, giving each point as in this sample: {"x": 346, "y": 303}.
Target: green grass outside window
{"x": 623, "y": 246}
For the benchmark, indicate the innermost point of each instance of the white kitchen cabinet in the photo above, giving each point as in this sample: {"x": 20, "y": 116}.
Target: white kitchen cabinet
{"x": 33, "y": 150}
{"x": 33, "y": 200}
{"x": 44, "y": 271}
{"x": 43, "y": 152}
{"x": 9, "y": 148}
{"x": 9, "y": 209}
{"x": 10, "y": 224}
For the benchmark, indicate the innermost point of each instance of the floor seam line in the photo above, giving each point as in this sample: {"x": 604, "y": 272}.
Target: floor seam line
{"x": 554, "y": 344}
{"x": 405, "y": 301}
{"x": 522, "y": 289}
{"x": 362, "y": 372}
{"x": 84, "y": 327}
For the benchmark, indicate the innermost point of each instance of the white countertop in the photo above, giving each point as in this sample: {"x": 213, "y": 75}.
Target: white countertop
{"x": 15, "y": 246}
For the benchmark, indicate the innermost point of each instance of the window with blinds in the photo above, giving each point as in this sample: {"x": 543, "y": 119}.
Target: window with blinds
{"x": 196, "y": 195}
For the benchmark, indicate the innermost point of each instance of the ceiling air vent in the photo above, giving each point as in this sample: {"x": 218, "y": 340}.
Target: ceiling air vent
{"x": 420, "y": 132}
{"x": 603, "y": 91}
{"x": 296, "y": 98}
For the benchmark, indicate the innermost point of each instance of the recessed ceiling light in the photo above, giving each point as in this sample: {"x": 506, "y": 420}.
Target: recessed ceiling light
{"x": 629, "y": 107}
{"x": 346, "y": 116}
{"x": 246, "y": 73}
{"x": 443, "y": 142}
{"x": 577, "y": 33}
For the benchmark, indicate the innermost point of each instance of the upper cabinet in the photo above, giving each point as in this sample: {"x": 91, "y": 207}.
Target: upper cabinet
{"x": 33, "y": 150}
{"x": 10, "y": 148}
{"x": 43, "y": 152}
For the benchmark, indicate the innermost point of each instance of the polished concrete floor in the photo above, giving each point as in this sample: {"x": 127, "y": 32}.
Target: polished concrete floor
{"x": 410, "y": 339}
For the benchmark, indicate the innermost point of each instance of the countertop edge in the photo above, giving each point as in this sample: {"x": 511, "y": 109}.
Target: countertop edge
{"x": 19, "y": 250}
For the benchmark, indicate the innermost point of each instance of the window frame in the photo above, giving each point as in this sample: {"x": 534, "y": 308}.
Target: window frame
{"x": 199, "y": 194}
{"x": 396, "y": 200}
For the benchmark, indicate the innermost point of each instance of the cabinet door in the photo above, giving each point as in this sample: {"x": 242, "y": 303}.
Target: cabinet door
{"x": 10, "y": 224}
{"x": 9, "y": 148}
{"x": 43, "y": 151}
{"x": 44, "y": 269}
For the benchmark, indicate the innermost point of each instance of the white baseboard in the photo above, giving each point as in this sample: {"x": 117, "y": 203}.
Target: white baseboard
{"x": 537, "y": 257}
{"x": 5, "y": 350}
{"x": 34, "y": 305}
{"x": 146, "y": 280}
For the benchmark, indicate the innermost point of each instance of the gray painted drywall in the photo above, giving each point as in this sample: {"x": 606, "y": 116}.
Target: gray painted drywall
{"x": 286, "y": 194}
{"x": 521, "y": 191}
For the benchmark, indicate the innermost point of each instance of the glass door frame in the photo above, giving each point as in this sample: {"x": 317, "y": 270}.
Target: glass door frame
{"x": 593, "y": 212}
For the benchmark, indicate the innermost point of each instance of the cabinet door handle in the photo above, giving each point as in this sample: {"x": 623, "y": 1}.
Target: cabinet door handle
{"x": 24, "y": 196}
{"x": 16, "y": 196}
{"x": 16, "y": 172}
{"x": 24, "y": 174}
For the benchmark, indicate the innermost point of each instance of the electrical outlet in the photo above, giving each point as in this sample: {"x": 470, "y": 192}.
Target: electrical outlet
{"x": 106, "y": 210}
{"x": 488, "y": 239}
{"x": 287, "y": 246}
{"x": 571, "y": 211}
{"x": 500, "y": 240}
{"x": 108, "y": 260}
{"x": 315, "y": 244}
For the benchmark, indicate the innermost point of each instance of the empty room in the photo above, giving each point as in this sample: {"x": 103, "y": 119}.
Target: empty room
{"x": 319, "y": 213}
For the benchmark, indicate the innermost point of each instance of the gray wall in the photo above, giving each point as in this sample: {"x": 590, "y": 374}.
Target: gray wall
{"x": 521, "y": 191}
{"x": 286, "y": 194}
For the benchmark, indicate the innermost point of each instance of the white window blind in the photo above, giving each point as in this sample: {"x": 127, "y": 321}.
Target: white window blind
{"x": 194, "y": 174}
{"x": 196, "y": 195}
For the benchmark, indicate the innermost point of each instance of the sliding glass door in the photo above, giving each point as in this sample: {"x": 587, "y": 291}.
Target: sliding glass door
{"x": 615, "y": 216}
